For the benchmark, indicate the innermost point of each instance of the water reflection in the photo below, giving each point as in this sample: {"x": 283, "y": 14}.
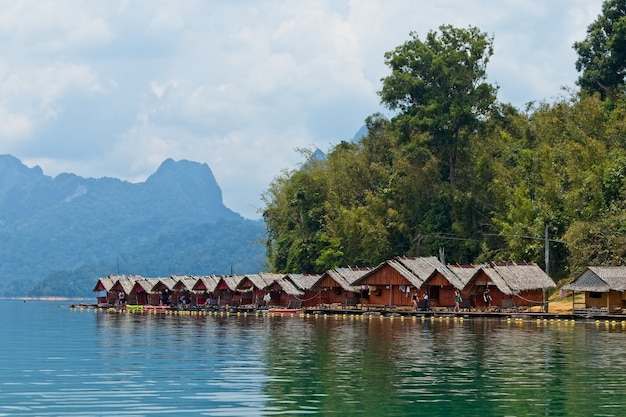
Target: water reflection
{"x": 87, "y": 363}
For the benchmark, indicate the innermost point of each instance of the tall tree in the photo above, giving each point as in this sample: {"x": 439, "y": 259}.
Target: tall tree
{"x": 602, "y": 55}
{"x": 438, "y": 86}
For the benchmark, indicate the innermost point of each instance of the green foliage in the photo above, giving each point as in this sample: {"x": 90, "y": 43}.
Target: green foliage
{"x": 602, "y": 55}
{"x": 438, "y": 87}
{"x": 558, "y": 166}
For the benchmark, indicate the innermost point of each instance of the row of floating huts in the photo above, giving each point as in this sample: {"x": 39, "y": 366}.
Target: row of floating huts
{"x": 388, "y": 286}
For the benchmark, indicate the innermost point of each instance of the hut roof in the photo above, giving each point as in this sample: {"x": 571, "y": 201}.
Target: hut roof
{"x": 347, "y": 278}
{"x": 231, "y": 281}
{"x": 456, "y": 281}
{"x": 144, "y": 284}
{"x": 207, "y": 282}
{"x": 288, "y": 287}
{"x": 303, "y": 281}
{"x": 257, "y": 280}
{"x": 522, "y": 277}
{"x": 414, "y": 270}
{"x": 184, "y": 282}
{"x": 125, "y": 283}
{"x": 512, "y": 278}
{"x": 164, "y": 283}
{"x": 105, "y": 283}
{"x": 464, "y": 273}
{"x": 421, "y": 267}
{"x": 600, "y": 279}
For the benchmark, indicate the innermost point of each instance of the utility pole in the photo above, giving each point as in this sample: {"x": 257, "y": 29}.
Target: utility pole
{"x": 547, "y": 259}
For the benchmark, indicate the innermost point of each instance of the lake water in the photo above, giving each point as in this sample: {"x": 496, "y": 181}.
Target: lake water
{"x": 58, "y": 361}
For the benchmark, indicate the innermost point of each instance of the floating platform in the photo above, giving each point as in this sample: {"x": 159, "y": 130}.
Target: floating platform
{"x": 156, "y": 308}
{"x": 285, "y": 310}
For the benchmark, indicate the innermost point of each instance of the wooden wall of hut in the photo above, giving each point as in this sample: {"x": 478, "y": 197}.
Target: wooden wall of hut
{"x": 611, "y": 300}
{"x": 333, "y": 295}
{"x": 529, "y": 298}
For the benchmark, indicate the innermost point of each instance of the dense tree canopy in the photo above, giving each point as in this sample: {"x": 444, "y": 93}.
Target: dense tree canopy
{"x": 602, "y": 55}
{"x": 438, "y": 86}
{"x": 559, "y": 167}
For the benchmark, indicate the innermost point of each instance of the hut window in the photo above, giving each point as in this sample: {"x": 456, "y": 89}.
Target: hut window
{"x": 433, "y": 293}
{"x": 337, "y": 290}
{"x": 593, "y": 294}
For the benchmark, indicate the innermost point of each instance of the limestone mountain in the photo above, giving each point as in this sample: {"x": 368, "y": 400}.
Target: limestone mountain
{"x": 54, "y": 224}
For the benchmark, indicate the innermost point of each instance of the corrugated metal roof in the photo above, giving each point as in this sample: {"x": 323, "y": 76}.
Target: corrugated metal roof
{"x": 600, "y": 279}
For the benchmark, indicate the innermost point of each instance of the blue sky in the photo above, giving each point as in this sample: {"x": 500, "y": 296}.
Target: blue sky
{"x": 113, "y": 88}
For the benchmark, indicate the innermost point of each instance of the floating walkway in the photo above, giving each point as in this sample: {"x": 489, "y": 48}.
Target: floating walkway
{"x": 384, "y": 312}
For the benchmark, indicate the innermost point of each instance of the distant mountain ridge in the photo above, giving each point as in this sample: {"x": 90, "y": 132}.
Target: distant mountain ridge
{"x": 51, "y": 224}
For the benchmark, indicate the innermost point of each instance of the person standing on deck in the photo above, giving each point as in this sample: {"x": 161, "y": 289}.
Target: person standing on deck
{"x": 266, "y": 299}
{"x": 457, "y": 301}
{"x": 415, "y": 300}
{"x": 425, "y": 298}
{"x": 487, "y": 299}
{"x": 122, "y": 302}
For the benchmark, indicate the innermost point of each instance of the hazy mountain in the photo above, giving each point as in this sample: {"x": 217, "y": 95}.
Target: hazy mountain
{"x": 158, "y": 227}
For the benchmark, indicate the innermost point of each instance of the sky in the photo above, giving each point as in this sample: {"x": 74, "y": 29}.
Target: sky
{"x": 105, "y": 88}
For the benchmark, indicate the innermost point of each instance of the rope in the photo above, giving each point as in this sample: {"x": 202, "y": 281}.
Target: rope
{"x": 307, "y": 299}
{"x": 526, "y": 299}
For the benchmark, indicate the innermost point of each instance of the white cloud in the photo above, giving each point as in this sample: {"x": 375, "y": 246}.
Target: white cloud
{"x": 109, "y": 88}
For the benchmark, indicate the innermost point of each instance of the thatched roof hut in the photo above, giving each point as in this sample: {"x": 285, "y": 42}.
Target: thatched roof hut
{"x": 604, "y": 288}
{"x": 206, "y": 283}
{"x": 304, "y": 282}
{"x": 600, "y": 279}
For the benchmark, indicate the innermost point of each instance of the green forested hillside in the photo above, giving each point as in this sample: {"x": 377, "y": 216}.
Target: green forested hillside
{"x": 455, "y": 172}
{"x": 220, "y": 248}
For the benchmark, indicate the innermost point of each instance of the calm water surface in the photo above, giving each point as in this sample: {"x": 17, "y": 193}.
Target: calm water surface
{"x": 62, "y": 362}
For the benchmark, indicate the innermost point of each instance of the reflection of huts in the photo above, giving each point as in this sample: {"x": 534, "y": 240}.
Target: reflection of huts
{"x": 510, "y": 285}
{"x": 305, "y": 283}
{"x": 604, "y": 288}
{"x": 444, "y": 281}
{"x": 393, "y": 281}
{"x": 336, "y": 286}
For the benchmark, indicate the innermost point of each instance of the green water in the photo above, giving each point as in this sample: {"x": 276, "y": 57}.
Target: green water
{"x": 62, "y": 362}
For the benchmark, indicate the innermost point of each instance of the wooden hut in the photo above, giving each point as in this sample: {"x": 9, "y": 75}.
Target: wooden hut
{"x": 284, "y": 293}
{"x": 443, "y": 282}
{"x": 227, "y": 293}
{"x": 164, "y": 287}
{"x": 185, "y": 286}
{"x": 253, "y": 287}
{"x": 206, "y": 287}
{"x": 511, "y": 285}
{"x": 142, "y": 292}
{"x": 305, "y": 283}
{"x": 336, "y": 287}
{"x": 392, "y": 282}
{"x": 604, "y": 288}
{"x": 103, "y": 289}
{"x": 125, "y": 283}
